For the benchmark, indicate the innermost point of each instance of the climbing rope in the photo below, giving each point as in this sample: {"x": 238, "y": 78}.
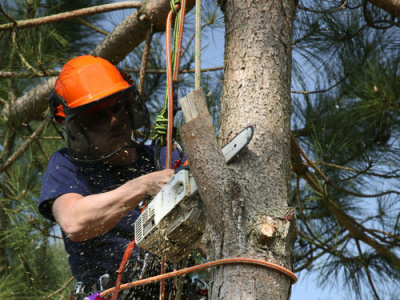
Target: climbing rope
{"x": 197, "y": 61}
{"x": 165, "y": 120}
{"x": 227, "y": 261}
{"x": 127, "y": 254}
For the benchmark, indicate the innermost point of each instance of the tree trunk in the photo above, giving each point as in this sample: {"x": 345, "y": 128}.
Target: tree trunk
{"x": 247, "y": 202}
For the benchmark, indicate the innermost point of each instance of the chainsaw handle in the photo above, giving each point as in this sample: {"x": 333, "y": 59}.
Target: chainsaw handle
{"x": 185, "y": 167}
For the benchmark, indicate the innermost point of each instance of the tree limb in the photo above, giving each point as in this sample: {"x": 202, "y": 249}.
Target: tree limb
{"x": 71, "y": 15}
{"x": 206, "y": 159}
{"x": 331, "y": 10}
{"x": 391, "y": 6}
{"x": 60, "y": 289}
{"x": 30, "y": 106}
{"x": 133, "y": 30}
{"x": 24, "y": 147}
{"x": 124, "y": 38}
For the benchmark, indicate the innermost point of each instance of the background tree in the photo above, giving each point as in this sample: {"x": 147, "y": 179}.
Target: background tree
{"x": 344, "y": 122}
{"x": 346, "y": 155}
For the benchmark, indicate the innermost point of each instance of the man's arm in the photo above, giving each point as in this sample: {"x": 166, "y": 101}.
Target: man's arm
{"x": 82, "y": 218}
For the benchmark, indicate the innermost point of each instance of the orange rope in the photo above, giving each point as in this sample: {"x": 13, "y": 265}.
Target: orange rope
{"x": 179, "y": 42}
{"x": 173, "y": 77}
{"x": 162, "y": 283}
{"x": 226, "y": 261}
{"x": 170, "y": 80}
{"x": 127, "y": 254}
{"x": 170, "y": 91}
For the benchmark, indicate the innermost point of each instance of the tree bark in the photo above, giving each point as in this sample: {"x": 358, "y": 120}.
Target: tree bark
{"x": 252, "y": 194}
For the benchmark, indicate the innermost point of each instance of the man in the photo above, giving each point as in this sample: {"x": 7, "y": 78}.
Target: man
{"x": 93, "y": 187}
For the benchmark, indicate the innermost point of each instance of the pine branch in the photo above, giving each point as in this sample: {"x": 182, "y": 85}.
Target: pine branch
{"x": 335, "y": 9}
{"x": 60, "y": 289}
{"x": 355, "y": 229}
{"x": 365, "y": 266}
{"x": 13, "y": 21}
{"x": 92, "y": 26}
{"x": 330, "y": 183}
{"x": 321, "y": 91}
{"x": 133, "y": 30}
{"x": 23, "y": 60}
{"x": 30, "y": 106}
{"x": 17, "y": 154}
{"x": 389, "y": 175}
{"x": 5, "y": 74}
{"x": 70, "y": 15}
{"x": 41, "y": 147}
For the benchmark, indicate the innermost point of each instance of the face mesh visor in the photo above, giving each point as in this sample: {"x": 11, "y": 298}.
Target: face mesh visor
{"x": 100, "y": 129}
{"x": 97, "y": 132}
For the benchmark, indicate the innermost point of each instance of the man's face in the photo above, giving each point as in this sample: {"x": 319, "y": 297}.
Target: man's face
{"x": 107, "y": 125}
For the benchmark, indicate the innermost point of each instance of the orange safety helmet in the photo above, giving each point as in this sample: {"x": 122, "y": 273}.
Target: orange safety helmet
{"x": 87, "y": 81}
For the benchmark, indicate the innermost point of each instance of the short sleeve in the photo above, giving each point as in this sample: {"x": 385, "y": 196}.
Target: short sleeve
{"x": 60, "y": 178}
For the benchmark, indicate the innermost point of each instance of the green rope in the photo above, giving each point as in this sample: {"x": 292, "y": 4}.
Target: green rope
{"x": 161, "y": 126}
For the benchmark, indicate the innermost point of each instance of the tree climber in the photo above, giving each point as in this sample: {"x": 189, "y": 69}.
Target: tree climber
{"x": 93, "y": 188}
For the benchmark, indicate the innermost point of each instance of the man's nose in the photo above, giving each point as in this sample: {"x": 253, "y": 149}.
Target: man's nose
{"x": 113, "y": 119}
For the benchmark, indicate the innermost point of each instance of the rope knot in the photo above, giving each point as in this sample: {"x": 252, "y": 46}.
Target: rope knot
{"x": 175, "y": 6}
{"x": 161, "y": 127}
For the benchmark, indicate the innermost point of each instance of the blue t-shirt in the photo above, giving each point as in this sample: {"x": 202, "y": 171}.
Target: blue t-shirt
{"x": 102, "y": 254}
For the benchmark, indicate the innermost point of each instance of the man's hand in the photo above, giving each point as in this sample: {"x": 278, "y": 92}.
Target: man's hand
{"x": 154, "y": 182}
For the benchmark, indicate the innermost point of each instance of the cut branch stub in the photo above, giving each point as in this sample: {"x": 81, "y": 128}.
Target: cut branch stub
{"x": 276, "y": 233}
{"x": 266, "y": 234}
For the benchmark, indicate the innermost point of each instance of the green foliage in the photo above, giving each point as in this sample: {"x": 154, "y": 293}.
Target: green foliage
{"x": 349, "y": 127}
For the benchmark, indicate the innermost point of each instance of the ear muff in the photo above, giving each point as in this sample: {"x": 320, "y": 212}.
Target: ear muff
{"x": 57, "y": 115}
{"x": 139, "y": 115}
{"x": 140, "y": 118}
{"x": 56, "y": 105}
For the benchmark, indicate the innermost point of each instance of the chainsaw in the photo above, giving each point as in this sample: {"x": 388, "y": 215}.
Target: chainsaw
{"x": 172, "y": 224}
